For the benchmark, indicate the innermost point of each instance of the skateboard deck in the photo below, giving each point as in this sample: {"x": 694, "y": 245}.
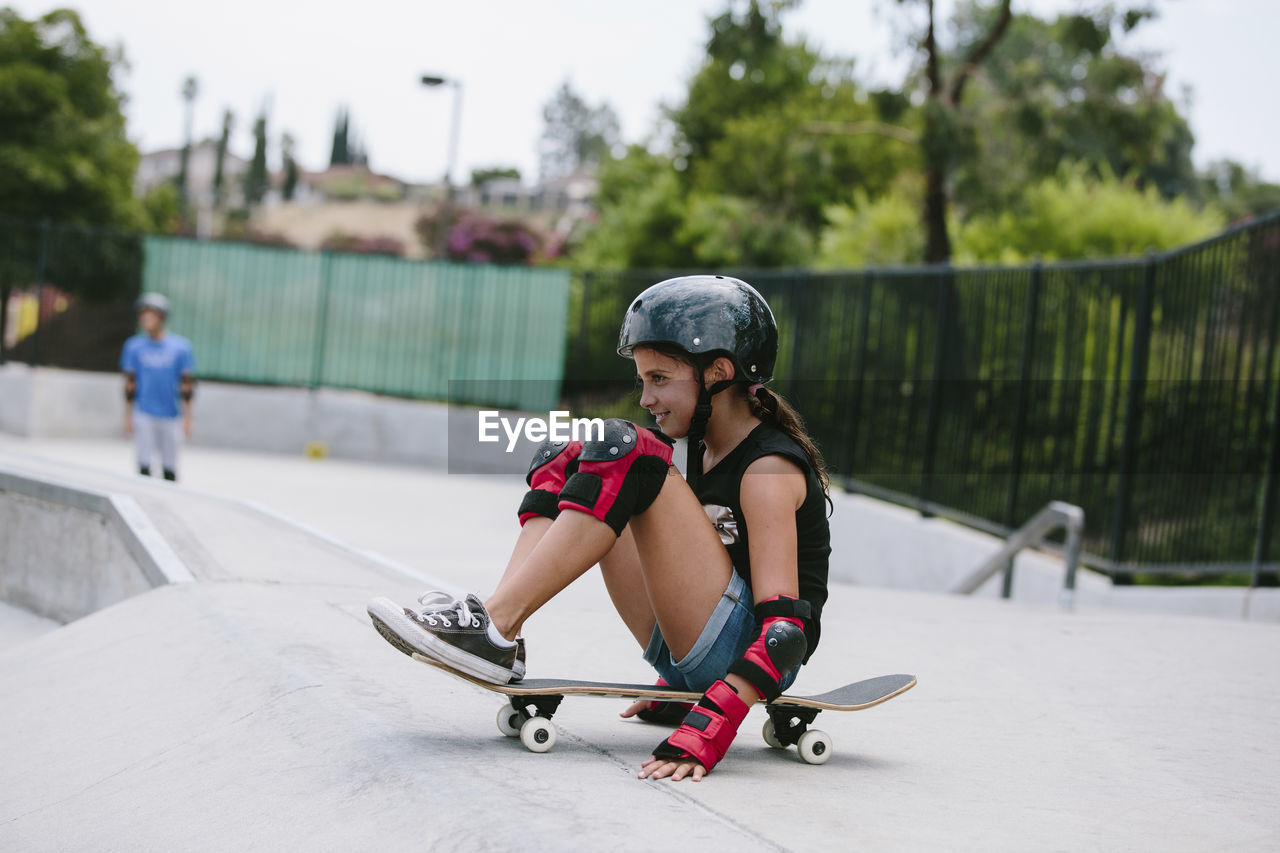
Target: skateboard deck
{"x": 533, "y": 701}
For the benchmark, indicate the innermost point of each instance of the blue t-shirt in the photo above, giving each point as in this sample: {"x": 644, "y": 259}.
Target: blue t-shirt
{"x": 157, "y": 367}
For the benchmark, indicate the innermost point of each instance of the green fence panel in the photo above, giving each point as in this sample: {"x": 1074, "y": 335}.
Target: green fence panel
{"x": 384, "y": 325}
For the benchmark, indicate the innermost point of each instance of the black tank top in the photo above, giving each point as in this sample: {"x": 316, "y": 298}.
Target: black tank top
{"x": 719, "y": 492}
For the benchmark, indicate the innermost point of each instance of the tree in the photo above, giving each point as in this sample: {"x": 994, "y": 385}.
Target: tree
{"x": 749, "y": 69}
{"x": 255, "y": 180}
{"x": 347, "y": 147}
{"x": 575, "y": 135}
{"x": 290, "y": 183}
{"x": 190, "y": 88}
{"x": 64, "y": 152}
{"x": 1065, "y": 91}
{"x": 642, "y": 209}
{"x": 219, "y": 166}
{"x": 769, "y": 136}
{"x": 940, "y": 141}
{"x": 1238, "y": 191}
{"x": 340, "y": 154}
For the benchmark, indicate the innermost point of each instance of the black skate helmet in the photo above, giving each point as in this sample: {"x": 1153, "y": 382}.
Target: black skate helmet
{"x": 706, "y": 314}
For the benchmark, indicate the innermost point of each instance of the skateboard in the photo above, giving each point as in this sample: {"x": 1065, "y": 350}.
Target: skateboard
{"x": 533, "y": 702}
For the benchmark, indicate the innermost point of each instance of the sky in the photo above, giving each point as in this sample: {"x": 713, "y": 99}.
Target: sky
{"x": 304, "y": 61}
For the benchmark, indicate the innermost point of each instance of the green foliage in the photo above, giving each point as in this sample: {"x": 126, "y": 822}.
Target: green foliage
{"x": 802, "y": 156}
{"x": 642, "y": 212}
{"x": 64, "y": 152}
{"x": 255, "y": 180}
{"x": 347, "y": 149}
{"x": 1239, "y": 192}
{"x": 190, "y": 89}
{"x": 228, "y": 121}
{"x": 480, "y": 177}
{"x": 339, "y": 155}
{"x": 290, "y": 182}
{"x": 1064, "y": 90}
{"x": 884, "y": 232}
{"x": 769, "y": 136}
{"x": 749, "y": 68}
{"x": 1076, "y": 215}
{"x": 779, "y": 149}
{"x": 648, "y": 221}
{"x": 163, "y": 209}
{"x": 732, "y": 231}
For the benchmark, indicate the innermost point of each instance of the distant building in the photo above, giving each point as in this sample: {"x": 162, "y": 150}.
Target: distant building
{"x": 571, "y": 196}
{"x": 157, "y": 167}
{"x": 354, "y": 200}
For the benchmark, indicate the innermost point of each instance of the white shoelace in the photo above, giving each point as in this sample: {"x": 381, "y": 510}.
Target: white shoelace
{"x": 440, "y": 606}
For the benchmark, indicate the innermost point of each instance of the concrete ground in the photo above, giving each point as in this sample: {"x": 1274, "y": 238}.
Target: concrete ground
{"x": 256, "y": 708}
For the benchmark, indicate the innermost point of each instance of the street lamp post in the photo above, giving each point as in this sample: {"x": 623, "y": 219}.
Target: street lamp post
{"x": 446, "y": 209}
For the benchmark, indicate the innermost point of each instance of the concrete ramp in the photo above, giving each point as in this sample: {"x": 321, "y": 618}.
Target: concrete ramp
{"x": 255, "y": 708}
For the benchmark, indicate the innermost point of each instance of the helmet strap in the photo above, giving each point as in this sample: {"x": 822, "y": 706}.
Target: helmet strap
{"x": 698, "y": 431}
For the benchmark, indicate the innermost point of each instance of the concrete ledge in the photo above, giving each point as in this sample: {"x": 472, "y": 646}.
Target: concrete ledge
{"x": 72, "y": 551}
{"x": 344, "y": 424}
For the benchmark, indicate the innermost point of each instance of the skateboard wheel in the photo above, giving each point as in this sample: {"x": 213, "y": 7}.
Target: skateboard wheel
{"x": 509, "y": 721}
{"x": 814, "y": 746}
{"x": 538, "y": 734}
{"x": 771, "y": 735}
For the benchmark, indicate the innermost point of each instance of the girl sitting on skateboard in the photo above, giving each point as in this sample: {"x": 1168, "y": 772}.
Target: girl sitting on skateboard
{"x": 721, "y": 578}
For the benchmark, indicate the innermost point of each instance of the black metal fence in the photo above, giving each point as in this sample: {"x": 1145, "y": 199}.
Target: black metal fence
{"x": 1146, "y": 391}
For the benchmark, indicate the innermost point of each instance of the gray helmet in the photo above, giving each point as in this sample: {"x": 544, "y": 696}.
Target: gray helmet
{"x": 704, "y": 314}
{"x": 154, "y": 301}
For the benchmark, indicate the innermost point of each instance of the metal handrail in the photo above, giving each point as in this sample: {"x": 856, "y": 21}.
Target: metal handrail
{"x": 1056, "y": 514}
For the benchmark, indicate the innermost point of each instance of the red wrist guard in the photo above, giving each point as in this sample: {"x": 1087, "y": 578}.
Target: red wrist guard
{"x": 708, "y": 730}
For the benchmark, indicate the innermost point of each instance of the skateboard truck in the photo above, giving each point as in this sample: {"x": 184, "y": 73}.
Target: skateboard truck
{"x": 789, "y": 725}
{"x": 533, "y": 727}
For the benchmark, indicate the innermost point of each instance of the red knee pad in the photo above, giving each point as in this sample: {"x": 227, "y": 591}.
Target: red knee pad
{"x": 619, "y": 475}
{"x": 708, "y": 730}
{"x": 553, "y": 463}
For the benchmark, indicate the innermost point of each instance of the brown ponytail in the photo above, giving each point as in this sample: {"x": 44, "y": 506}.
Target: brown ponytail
{"x": 774, "y": 410}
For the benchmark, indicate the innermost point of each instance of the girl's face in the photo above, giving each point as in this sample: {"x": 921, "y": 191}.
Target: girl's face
{"x": 669, "y": 390}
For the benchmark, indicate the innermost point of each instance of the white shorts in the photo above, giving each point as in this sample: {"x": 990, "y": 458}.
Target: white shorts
{"x": 151, "y": 433}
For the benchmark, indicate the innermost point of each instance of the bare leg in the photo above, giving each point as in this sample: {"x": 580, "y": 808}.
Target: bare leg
{"x": 686, "y": 568}
{"x": 624, "y": 579}
{"x": 668, "y": 567}
{"x": 570, "y": 545}
{"x": 530, "y": 535}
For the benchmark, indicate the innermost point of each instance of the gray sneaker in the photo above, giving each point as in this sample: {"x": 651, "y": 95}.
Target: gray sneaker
{"x": 451, "y": 630}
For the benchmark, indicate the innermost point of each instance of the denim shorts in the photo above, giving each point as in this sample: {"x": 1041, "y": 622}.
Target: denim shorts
{"x": 726, "y": 636}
